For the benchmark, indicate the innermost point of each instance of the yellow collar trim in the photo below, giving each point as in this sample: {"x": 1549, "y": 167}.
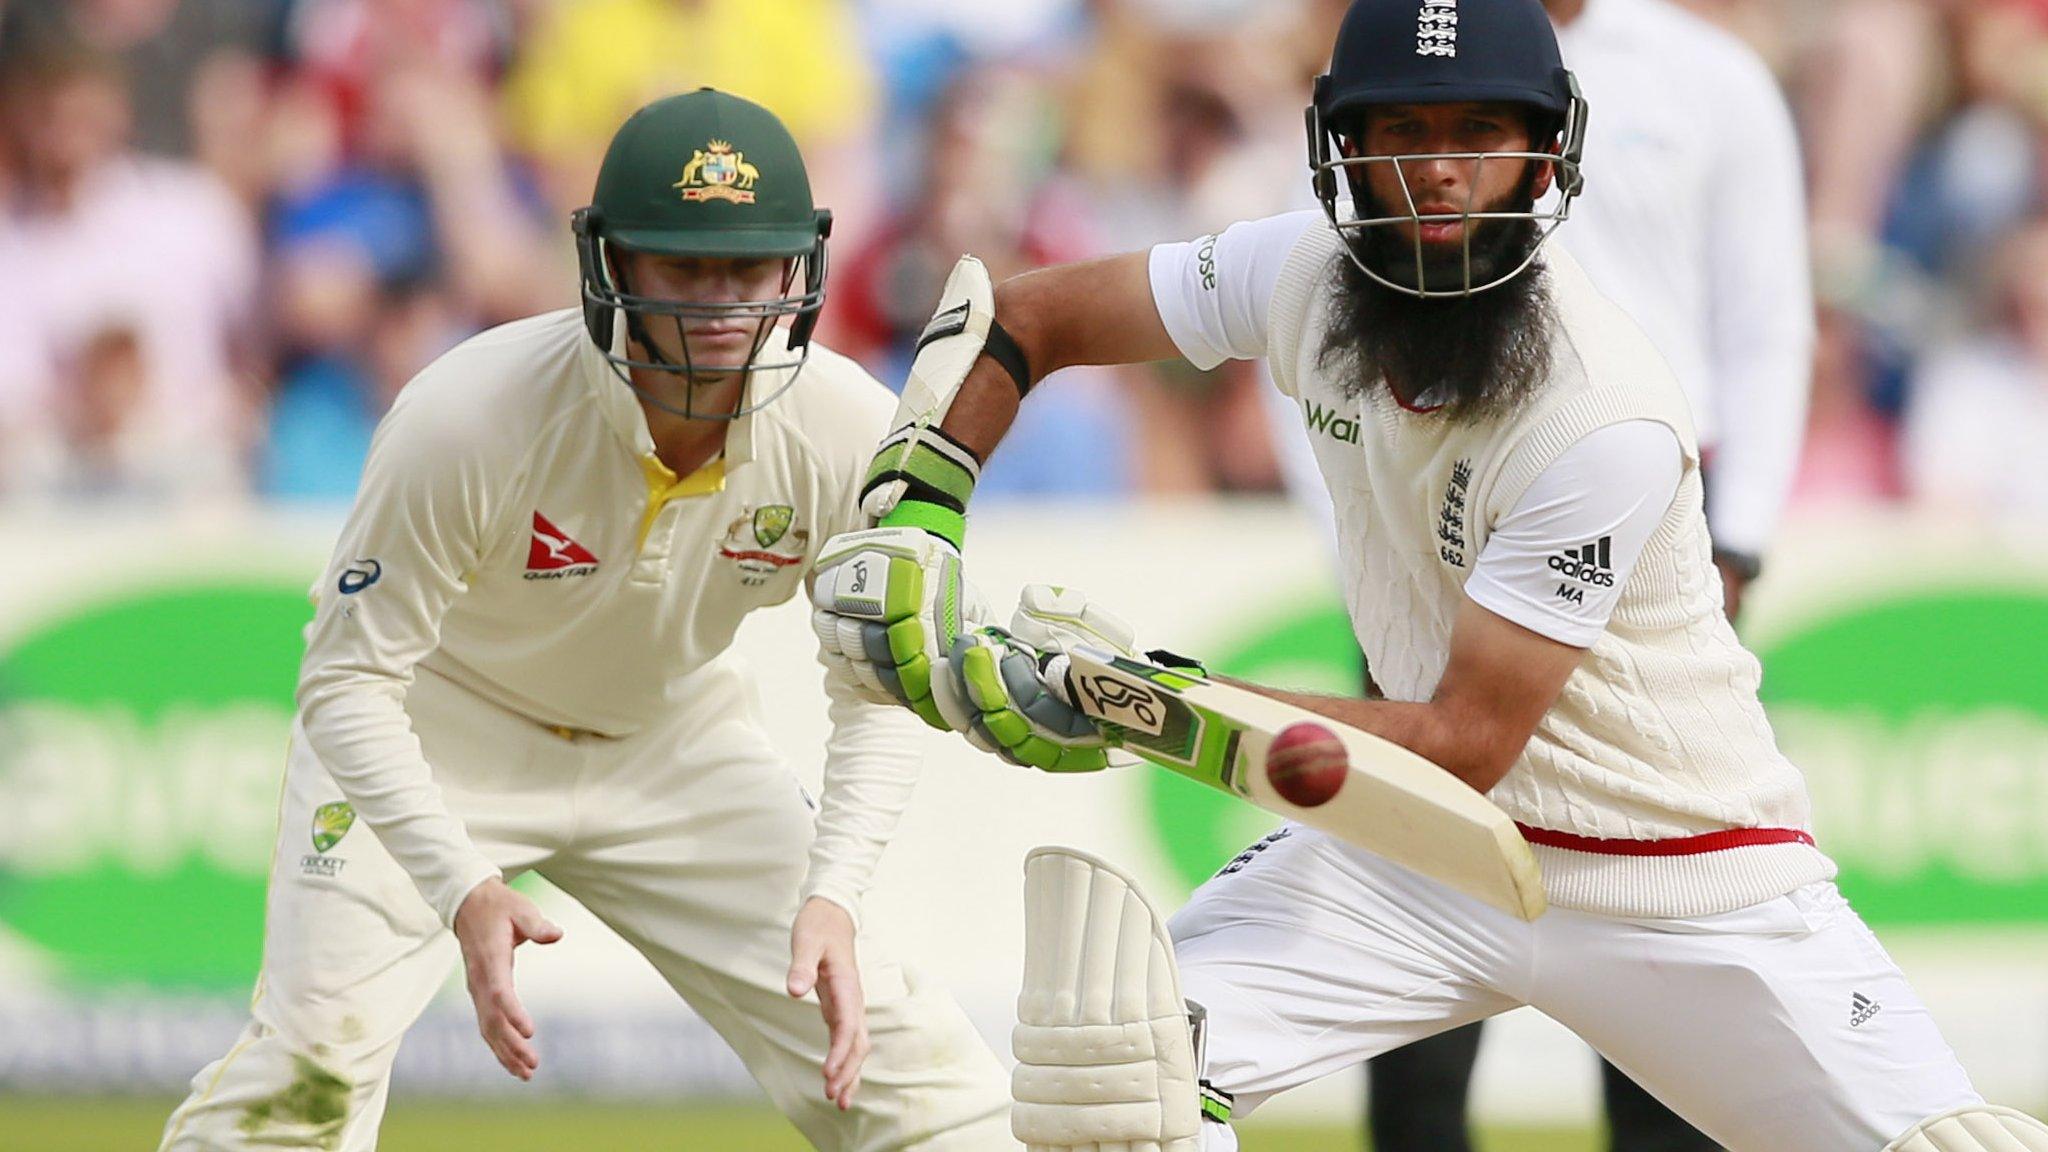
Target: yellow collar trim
{"x": 662, "y": 487}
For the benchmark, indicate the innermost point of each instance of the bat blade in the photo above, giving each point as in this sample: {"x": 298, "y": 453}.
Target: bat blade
{"x": 1394, "y": 803}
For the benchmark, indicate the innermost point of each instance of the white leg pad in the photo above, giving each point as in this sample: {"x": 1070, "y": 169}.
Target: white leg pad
{"x": 1978, "y": 1128}
{"x": 1105, "y": 1052}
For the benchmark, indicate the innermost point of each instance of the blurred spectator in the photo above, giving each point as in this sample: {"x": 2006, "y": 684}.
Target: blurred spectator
{"x": 587, "y": 65}
{"x": 413, "y": 162}
{"x": 989, "y": 186}
{"x": 348, "y": 49}
{"x": 429, "y": 190}
{"x": 1187, "y": 118}
{"x": 101, "y": 247}
{"x": 425, "y": 217}
{"x": 330, "y": 402}
{"x": 1979, "y": 408}
{"x": 176, "y": 55}
{"x": 98, "y": 449}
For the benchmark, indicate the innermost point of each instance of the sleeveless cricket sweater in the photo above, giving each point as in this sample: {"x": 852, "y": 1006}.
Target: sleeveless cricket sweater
{"x": 1653, "y": 787}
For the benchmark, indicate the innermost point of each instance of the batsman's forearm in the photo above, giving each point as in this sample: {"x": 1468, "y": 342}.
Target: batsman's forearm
{"x": 983, "y": 412}
{"x": 1455, "y": 744}
{"x": 1095, "y": 312}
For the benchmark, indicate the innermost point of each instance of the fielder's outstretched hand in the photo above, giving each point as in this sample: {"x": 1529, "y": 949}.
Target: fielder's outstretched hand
{"x": 492, "y": 921}
{"x": 821, "y": 956}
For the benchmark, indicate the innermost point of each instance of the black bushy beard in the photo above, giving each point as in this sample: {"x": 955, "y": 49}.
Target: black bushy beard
{"x": 1478, "y": 356}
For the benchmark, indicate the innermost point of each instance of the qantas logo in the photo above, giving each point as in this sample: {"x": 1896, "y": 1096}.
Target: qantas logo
{"x": 553, "y": 555}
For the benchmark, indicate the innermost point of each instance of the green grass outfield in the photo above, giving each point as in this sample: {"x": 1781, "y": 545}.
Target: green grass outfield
{"x": 90, "y": 1124}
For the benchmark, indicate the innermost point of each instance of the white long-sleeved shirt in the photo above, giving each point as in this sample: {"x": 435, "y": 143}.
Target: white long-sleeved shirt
{"x": 1693, "y": 219}
{"x": 516, "y": 533}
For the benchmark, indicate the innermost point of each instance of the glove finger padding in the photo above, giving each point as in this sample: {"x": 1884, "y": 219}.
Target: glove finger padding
{"x": 902, "y": 590}
{"x": 1024, "y": 719}
{"x": 840, "y": 641}
{"x": 1054, "y": 619}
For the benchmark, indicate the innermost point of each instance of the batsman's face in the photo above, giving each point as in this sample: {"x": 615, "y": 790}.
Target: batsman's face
{"x": 711, "y": 342}
{"x": 1435, "y": 164}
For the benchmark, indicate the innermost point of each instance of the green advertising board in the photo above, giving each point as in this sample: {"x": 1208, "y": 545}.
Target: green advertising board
{"x": 143, "y": 730}
{"x": 1919, "y": 717}
{"x": 141, "y": 745}
{"x": 1921, "y": 722}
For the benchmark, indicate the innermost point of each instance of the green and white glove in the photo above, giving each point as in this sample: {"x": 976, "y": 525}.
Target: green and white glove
{"x": 1019, "y": 717}
{"x": 1053, "y": 621}
{"x": 888, "y": 606}
{"x": 1017, "y": 680}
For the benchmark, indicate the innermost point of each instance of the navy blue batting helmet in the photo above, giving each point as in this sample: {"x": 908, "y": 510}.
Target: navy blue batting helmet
{"x": 1444, "y": 52}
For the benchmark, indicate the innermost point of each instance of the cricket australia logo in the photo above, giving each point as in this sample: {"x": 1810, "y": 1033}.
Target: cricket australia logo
{"x": 331, "y": 822}
{"x": 763, "y": 541}
{"x": 718, "y": 173}
{"x": 1436, "y": 28}
{"x": 1450, "y": 516}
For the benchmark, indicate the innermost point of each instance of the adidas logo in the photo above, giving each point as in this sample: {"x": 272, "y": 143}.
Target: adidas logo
{"x": 1588, "y": 563}
{"x": 552, "y": 555}
{"x": 1861, "y": 1009}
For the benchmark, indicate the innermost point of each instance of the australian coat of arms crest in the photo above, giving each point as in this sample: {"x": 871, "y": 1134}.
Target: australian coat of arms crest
{"x": 717, "y": 172}
{"x": 763, "y": 541}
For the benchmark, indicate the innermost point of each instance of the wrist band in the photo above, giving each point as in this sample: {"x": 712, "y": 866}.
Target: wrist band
{"x": 1003, "y": 348}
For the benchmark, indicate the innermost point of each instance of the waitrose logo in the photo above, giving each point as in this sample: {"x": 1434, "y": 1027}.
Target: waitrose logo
{"x": 142, "y": 744}
{"x": 1330, "y": 422}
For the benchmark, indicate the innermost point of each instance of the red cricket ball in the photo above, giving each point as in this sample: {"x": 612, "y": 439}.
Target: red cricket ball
{"x": 1307, "y": 764}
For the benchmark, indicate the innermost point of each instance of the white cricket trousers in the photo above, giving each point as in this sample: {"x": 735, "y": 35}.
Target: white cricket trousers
{"x": 1782, "y": 1027}
{"x": 689, "y": 840}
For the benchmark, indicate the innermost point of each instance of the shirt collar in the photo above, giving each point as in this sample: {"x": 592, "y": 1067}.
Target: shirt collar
{"x": 620, "y": 405}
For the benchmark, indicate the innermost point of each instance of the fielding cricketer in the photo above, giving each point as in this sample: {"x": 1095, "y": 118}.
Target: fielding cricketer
{"x": 521, "y": 661}
{"x": 1526, "y": 565}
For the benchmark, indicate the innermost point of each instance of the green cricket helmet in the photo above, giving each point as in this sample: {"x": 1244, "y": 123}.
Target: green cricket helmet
{"x": 708, "y": 174}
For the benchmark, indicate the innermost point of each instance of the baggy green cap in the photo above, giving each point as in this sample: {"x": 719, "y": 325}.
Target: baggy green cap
{"x": 705, "y": 173}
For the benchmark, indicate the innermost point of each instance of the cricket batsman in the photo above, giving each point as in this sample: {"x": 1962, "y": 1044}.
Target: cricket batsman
{"x": 521, "y": 660}
{"x": 1518, "y": 506}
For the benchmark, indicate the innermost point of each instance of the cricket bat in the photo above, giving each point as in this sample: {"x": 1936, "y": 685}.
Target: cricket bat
{"x": 1392, "y": 802}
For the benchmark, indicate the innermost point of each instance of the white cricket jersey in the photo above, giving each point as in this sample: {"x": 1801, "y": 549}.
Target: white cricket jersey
{"x": 1653, "y": 786}
{"x": 1693, "y": 219}
{"x": 1614, "y": 485}
{"x": 516, "y": 533}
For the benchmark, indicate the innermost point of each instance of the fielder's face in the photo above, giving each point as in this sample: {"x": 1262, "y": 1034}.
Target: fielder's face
{"x": 709, "y": 344}
{"x": 1437, "y": 165}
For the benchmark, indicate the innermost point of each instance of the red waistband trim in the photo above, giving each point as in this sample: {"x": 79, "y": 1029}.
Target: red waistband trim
{"x": 1680, "y": 846}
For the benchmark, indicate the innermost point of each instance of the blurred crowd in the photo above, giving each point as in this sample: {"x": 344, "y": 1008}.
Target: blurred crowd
{"x": 232, "y": 229}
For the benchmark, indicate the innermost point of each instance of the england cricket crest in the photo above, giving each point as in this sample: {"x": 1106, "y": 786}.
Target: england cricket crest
{"x": 718, "y": 172}
{"x": 763, "y": 541}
